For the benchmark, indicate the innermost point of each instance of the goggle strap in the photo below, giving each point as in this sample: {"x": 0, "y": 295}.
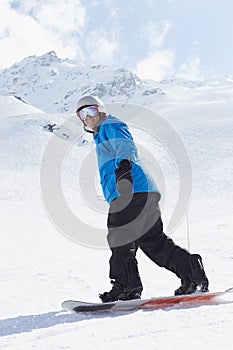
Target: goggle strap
{"x": 88, "y": 130}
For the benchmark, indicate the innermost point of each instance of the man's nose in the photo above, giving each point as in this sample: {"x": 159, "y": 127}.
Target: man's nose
{"x": 88, "y": 118}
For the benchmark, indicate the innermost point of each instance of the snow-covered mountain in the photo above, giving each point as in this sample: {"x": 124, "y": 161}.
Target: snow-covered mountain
{"x": 40, "y": 267}
{"x": 54, "y": 84}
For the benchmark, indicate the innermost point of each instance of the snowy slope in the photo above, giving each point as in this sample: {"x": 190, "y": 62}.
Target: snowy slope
{"x": 10, "y": 104}
{"x": 40, "y": 267}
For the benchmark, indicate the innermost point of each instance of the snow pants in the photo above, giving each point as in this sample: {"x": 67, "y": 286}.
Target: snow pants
{"x": 135, "y": 222}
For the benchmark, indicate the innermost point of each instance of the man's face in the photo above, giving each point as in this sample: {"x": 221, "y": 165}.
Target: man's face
{"x": 92, "y": 122}
{"x": 90, "y": 116}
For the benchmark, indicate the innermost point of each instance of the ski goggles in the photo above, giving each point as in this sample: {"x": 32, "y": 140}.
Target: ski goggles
{"x": 91, "y": 111}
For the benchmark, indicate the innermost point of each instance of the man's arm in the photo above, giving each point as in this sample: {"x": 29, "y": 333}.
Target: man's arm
{"x": 124, "y": 177}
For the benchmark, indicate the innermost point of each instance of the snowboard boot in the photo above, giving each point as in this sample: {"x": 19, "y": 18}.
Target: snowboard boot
{"x": 187, "y": 287}
{"x": 197, "y": 278}
{"x": 118, "y": 292}
{"x": 131, "y": 295}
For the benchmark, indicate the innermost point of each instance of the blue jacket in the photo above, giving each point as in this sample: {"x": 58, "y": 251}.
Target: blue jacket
{"x": 113, "y": 144}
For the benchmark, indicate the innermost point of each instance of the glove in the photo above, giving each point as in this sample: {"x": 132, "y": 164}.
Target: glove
{"x": 124, "y": 177}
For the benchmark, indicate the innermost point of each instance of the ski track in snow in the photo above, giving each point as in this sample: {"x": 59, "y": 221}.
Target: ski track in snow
{"x": 39, "y": 267}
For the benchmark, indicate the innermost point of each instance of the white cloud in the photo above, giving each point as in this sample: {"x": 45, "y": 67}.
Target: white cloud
{"x": 158, "y": 62}
{"x": 102, "y": 46}
{"x": 191, "y": 69}
{"x": 61, "y": 16}
{"x": 156, "y": 66}
{"x": 156, "y": 33}
{"x": 114, "y": 11}
{"x": 34, "y": 27}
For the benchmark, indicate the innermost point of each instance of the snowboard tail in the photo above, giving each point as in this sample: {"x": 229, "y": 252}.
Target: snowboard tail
{"x": 161, "y": 303}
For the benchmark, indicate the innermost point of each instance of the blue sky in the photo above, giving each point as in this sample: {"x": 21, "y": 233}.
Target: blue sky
{"x": 153, "y": 38}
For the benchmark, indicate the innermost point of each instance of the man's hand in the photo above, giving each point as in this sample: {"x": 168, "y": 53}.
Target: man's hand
{"x": 124, "y": 177}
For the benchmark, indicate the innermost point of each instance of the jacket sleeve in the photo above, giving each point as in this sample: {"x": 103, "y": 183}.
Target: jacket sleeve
{"x": 121, "y": 142}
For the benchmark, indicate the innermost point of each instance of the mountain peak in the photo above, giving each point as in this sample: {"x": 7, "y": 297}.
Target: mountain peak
{"x": 54, "y": 85}
{"x": 49, "y": 57}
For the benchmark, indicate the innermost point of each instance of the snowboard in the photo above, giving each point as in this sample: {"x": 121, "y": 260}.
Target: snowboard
{"x": 161, "y": 303}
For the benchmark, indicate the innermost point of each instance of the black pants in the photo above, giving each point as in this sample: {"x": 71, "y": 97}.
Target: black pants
{"x": 136, "y": 223}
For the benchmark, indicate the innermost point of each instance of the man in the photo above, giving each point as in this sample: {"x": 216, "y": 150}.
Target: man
{"x": 134, "y": 219}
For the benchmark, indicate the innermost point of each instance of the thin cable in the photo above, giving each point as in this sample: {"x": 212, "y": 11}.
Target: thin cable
{"x": 188, "y": 231}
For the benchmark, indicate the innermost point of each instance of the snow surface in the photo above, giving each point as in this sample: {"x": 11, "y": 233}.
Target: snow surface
{"x": 40, "y": 267}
